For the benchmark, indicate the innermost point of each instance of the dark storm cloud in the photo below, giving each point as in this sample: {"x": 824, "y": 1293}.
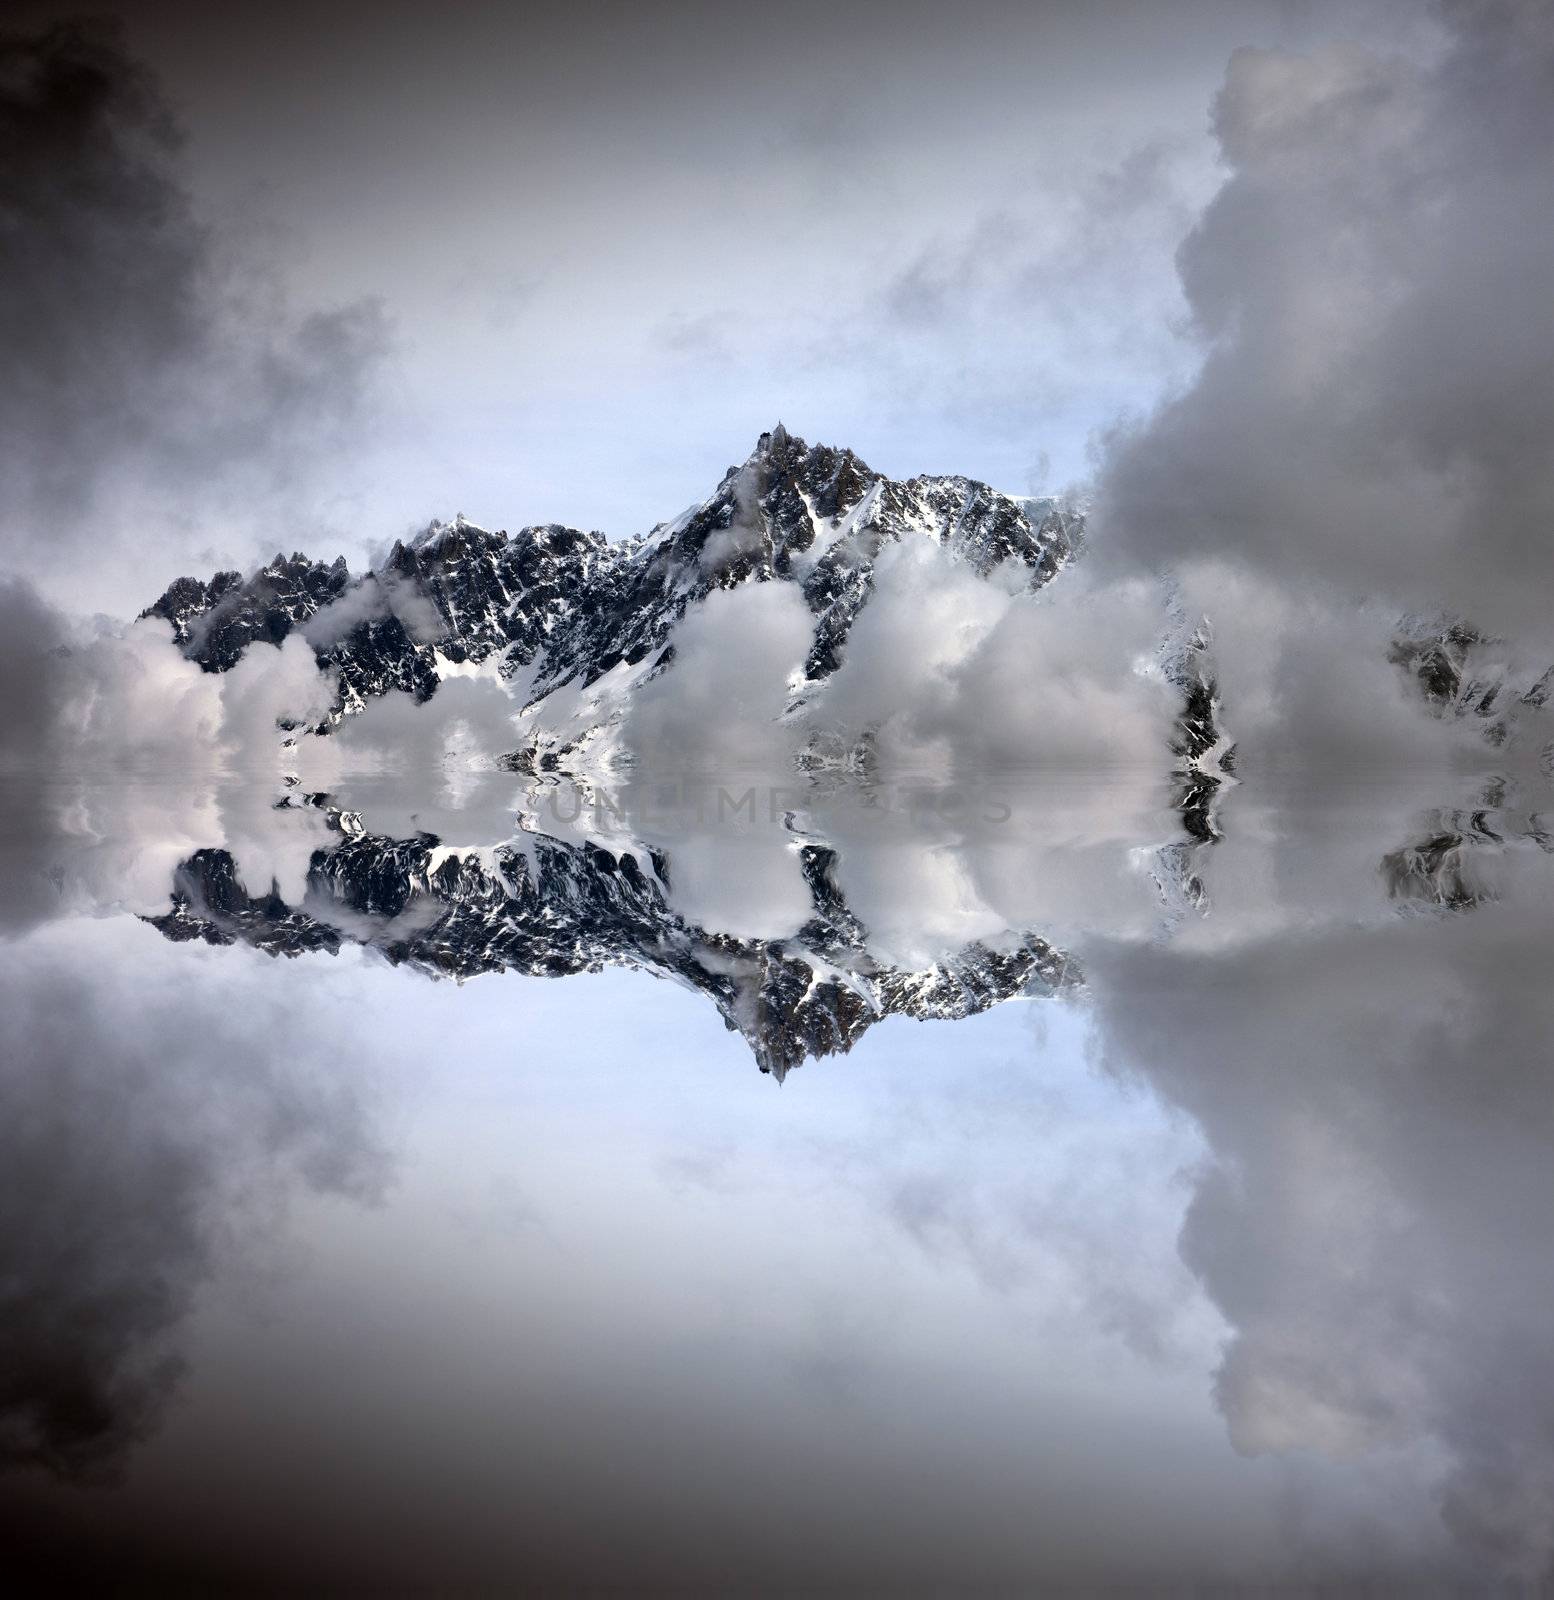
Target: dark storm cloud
{"x": 1372, "y": 1217}
{"x": 31, "y": 632}
{"x": 146, "y": 1124}
{"x": 32, "y": 635}
{"x": 147, "y": 379}
{"x": 1372, "y": 286}
{"x": 1371, "y": 418}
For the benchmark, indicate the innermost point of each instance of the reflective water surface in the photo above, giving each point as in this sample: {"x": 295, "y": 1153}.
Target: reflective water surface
{"x": 1157, "y": 1196}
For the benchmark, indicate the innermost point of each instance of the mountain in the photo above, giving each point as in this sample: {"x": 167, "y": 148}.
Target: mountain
{"x": 1463, "y": 672}
{"x": 566, "y": 607}
{"x": 549, "y": 909}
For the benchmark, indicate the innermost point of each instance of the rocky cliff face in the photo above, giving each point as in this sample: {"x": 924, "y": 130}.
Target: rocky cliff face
{"x": 565, "y": 606}
{"x": 547, "y": 909}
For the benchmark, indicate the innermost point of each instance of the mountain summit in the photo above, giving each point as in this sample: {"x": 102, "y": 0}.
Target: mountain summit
{"x": 569, "y": 606}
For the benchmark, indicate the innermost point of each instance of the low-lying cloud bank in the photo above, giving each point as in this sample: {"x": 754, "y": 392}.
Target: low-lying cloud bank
{"x": 118, "y": 758}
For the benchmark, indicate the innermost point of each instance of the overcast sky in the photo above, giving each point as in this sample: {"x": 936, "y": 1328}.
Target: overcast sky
{"x": 570, "y": 262}
{"x": 1268, "y": 281}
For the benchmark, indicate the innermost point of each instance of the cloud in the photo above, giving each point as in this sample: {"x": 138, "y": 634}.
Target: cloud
{"x": 31, "y": 633}
{"x": 1370, "y": 288}
{"x": 1025, "y": 740}
{"x": 1010, "y": 1174}
{"x": 703, "y": 337}
{"x": 32, "y": 630}
{"x": 714, "y": 714}
{"x": 410, "y": 767}
{"x": 151, "y": 383}
{"x": 926, "y": 616}
{"x": 375, "y": 596}
{"x": 1364, "y": 437}
{"x": 946, "y": 670}
{"x": 1055, "y": 304}
{"x": 1370, "y": 1220}
{"x": 118, "y": 757}
{"x": 150, "y": 1121}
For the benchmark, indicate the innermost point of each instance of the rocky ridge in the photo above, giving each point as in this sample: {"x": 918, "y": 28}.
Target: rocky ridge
{"x": 544, "y": 908}
{"x": 565, "y": 606}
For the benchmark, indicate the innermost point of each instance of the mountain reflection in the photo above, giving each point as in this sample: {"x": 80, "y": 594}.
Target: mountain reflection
{"x": 550, "y": 910}
{"x": 808, "y": 910}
